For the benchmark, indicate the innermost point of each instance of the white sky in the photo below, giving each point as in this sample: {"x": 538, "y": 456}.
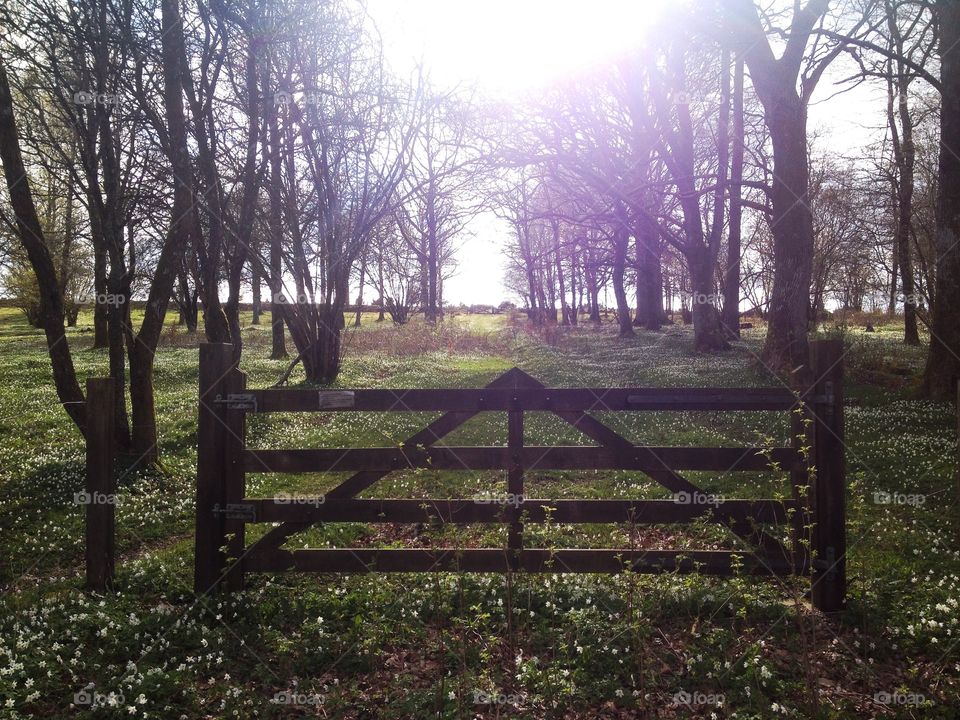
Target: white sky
{"x": 507, "y": 47}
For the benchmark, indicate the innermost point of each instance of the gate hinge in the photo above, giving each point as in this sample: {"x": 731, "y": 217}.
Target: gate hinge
{"x": 238, "y": 401}
{"x": 237, "y": 511}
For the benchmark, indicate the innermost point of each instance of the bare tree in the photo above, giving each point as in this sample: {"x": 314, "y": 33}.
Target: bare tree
{"x": 785, "y": 85}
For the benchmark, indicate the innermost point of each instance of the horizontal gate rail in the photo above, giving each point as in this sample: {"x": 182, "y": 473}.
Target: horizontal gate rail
{"x": 354, "y": 560}
{"x": 814, "y": 514}
{"x": 495, "y": 510}
{"x": 529, "y": 399}
{"x": 531, "y": 457}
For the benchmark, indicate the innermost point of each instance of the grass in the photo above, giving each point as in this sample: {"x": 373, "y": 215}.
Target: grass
{"x": 462, "y": 646}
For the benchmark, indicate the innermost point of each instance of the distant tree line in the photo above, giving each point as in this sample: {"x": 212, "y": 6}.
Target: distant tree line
{"x": 195, "y": 156}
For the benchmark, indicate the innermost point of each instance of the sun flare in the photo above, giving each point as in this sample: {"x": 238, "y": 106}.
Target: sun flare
{"x": 505, "y": 45}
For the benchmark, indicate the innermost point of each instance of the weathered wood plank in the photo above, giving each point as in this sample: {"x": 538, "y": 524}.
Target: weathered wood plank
{"x": 528, "y": 399}
{"x": 531, "y": 458}
{"x": 361, "y": 560}
{"x": 497, "y": 509}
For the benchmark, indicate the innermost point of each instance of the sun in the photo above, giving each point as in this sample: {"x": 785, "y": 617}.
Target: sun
{"x": 508, "y": 46}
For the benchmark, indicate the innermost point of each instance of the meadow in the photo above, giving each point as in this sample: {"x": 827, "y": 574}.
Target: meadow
{"x": 475, "y": 645}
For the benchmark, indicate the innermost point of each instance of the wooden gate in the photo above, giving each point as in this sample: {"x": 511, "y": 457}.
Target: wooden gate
{"x": 814, "y": 513}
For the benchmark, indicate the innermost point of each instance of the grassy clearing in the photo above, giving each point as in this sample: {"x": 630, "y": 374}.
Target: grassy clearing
{"x": 461, "y": 646}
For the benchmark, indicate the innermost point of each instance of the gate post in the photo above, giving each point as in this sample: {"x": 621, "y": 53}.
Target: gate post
{"x": 100, "y": 489}
{"x": 216, "y": 360}
{"x": 515, "y": 490}
{"x": 829, "y": 488}
{"x": 234, "y": 487}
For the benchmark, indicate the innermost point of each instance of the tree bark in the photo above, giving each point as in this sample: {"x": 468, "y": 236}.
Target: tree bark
{"x": 649, "y": 276}
{"x": 904, "y": 153}
{"x": 31, "y": 237}
{"x": 708, "y": 332}
{"x": 100, "y": 331}
{"x": 363, "y": 272}
{"x": 943, "y": 360}
{"x": 621, "y": 239}
{"x": 275, "y": 224}
{"x": 141, "y": 349}
{"x": 321, "y": 360}
{"x": 561, "y": 281}
{"x": 785, "y": 113}
{"x": 731, "y": 280}
{"x": 257, "y": 305}
{"x": 593, "y": 287}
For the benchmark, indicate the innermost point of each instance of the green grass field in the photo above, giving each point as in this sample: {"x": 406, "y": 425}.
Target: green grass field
{"x": 463, "y": 645}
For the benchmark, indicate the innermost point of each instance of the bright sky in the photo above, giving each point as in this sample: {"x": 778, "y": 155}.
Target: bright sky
{"x": 507, "y": 47}
{"x": 503, "y": 48}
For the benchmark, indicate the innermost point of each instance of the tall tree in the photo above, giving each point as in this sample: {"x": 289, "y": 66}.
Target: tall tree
{"x": 731, "y": 278}
{"x": 784, "y": 86}
{"x": 30, "y": 233}
{"x": 943, "y": 362}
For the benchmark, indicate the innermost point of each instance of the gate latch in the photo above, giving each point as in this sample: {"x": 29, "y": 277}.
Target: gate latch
{"x": 237, "y": 511}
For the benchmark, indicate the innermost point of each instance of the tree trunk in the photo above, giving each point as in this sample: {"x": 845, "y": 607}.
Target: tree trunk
{"x": 187, "y": 302}
{"x": 708, "y": 332}
{"x": 593, "y": 289}
{"x": 904, "y": 153}
{"x": 943, "y": 360}
{"x": 621, "y": 240}
{"x": 363, "y": 271}
{"x": 275, "y": 224}
{"x": 649, "y": 276}
{"x": 380, "y": 285}
{"x": 892, "y": 306}
{"x": 785, "y": 113}
{"x": 431, "y": 311}
{"x": 561, "y": 281}
{"x": 574, "y": 305}
{"x": 731, "y": 280}
{"x": 321, "y": 360}
{"x": 30, "y": 233}
{"x": 792, "y": 227}
{"x": 141, "y": 349}
{"x": 257, "y": 304}
{"x": 100, "y": 330}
